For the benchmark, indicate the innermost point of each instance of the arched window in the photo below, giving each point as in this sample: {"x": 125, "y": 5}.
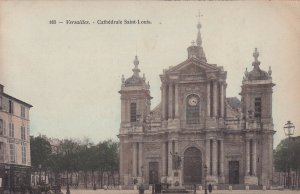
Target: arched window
{"x": 133, "y": 112}
{"x": 192, "y": 109}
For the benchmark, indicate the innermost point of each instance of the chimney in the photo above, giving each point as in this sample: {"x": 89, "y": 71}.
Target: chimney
{"x": 1, "y": 88}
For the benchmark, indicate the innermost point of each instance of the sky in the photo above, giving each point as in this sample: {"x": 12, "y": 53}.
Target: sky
{"x": 71, "y": 74}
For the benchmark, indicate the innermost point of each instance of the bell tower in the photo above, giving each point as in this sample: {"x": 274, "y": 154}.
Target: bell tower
{"x": 135, "y": 106}
{"x": 135, "y": 97}
{"x": 258, "y": 126}
{"x": 257, "y": 94}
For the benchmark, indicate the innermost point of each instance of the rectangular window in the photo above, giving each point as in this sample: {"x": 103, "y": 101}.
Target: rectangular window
{"x": 1, "y": 103}
{"x": 133, "y": 112}
{"x": 2, "y": 151}
{"x": 4, "y": 127}
{"x": 28, "y": 132}
{"x": 1, "y": 127}
{"x": 24, "y": 154}
{"x": 23, "y": 133}
{"x": 257, "y": 107}
{"x": 12, "y": 153}
{"x": 11, "y": 107}
{"x": 22, "y": 111}
{"x": 11, "y": 130}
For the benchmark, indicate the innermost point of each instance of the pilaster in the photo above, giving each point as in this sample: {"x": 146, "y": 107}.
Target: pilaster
{"x": 170, "y": 101}
{"x": 134, "y": 159}
{"x": 208, "y": 99}
{"x": 169, "y": 158}
{"x": 140, "y": 158}
{"x": 176, "y": 101}
{"x": 215, "y": 97}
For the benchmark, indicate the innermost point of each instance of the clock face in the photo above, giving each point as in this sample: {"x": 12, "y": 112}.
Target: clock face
{"x": 193, "y": 101}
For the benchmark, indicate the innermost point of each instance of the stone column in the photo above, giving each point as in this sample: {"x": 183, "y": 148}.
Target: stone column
{"x": 140, "y": 158}
{"x": 164, "y": 159}
{"x": 163, "y": 101}
{"x": 121, "y": 162}
{"x": 176, "y": 101}
{"x": 207, "y": 155}
{"x": 215, "y": 97}
{"x": 247, "y": 157}
{"x": 170, "y": 101}
{"x": 169, "y": 158}
{"x": 222, "y": 100}
{"x": 215, "y": 157}
{"x": 254, "y": 159}
{"x": 222, "y": 157}
{"x": 208, "y": 99}
{"x": 134, "y": 159}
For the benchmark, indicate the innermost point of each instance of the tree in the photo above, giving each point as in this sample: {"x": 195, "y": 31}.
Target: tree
{"x": 40, "y": 151}
{"x": 287, "y": 156}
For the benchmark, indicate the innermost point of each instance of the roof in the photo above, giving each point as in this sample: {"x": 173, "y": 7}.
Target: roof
{"x": 134, "y": 81}
{"x": 258, "y": 74}
{"x": 17, "y": 100}
{"x": 234, "y": 102}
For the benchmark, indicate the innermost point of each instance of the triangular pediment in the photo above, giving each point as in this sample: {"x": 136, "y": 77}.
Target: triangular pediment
{"x": 191, "y": 69}
{"x": 192, "y": 65}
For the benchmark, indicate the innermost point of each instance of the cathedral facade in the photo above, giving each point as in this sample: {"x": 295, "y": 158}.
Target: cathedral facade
{"x": 220, "y": 139}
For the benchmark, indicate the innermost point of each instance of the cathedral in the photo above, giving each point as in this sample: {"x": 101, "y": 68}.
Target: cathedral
{"x": 221, "y": 140}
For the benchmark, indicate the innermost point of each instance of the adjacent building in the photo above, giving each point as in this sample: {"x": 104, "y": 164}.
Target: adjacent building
{"x": 232, "y": 138}
{"x": 14, "y": 141}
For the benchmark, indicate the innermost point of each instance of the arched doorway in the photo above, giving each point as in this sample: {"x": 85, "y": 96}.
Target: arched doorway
{"x": 192, "y": 168}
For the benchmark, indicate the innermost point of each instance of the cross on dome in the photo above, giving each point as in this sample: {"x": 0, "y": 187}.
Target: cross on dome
{"x": 199, "y": 40}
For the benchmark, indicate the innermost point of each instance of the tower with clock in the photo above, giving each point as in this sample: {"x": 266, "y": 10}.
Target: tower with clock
{"x": 232, "y": 139}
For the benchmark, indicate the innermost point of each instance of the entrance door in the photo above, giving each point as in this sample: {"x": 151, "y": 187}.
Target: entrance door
{"x": 192, "y": 166}
{"x": 153, "y": 172}
{"x": 234, "y": 172}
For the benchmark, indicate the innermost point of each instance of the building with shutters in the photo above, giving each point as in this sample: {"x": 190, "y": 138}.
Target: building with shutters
{"x": 15, "y": 159}
{"x": 233, "y": 138}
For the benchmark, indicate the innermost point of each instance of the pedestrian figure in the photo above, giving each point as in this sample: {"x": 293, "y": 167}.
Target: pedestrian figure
{"x": 141, "y": 189}
{"x": 210, "y": 188}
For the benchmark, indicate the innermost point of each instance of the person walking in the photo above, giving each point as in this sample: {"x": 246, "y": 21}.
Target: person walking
{"x": 210, "y": 188}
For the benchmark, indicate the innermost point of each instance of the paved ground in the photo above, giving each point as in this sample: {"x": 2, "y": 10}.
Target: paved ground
{"x": 198, "y": 192}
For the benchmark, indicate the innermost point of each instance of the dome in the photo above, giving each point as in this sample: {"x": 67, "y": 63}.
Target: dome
{"x": 258, "y": 74}
{"x": 134, "y": 81}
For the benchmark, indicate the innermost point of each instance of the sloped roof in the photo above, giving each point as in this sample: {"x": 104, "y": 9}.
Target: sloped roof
{"x": 234, "y": 102}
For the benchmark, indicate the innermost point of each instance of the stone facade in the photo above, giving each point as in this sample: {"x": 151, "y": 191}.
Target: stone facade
{"x": 232, "y": 138}
{"x": 15, "y": 161}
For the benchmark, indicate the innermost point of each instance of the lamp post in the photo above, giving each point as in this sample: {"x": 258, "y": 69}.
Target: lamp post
{"x": 289, "y": 131}
{"x": 68, "y": 164}
{"x": 7, "y": 172}
{"x": 205, "y": 174}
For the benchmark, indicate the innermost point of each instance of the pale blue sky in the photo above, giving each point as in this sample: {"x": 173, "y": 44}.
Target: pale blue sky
{"x": 71, "y": 73}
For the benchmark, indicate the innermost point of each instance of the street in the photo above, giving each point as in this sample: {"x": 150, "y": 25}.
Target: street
{"x": 101, "y": 191}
